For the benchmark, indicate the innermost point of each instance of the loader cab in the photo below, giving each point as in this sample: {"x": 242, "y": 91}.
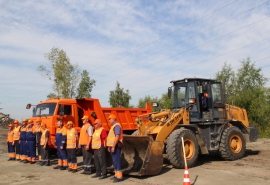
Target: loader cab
{"x": 204, "y": 97}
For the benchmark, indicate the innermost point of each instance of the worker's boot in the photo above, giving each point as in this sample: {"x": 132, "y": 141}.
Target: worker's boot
{"x": 63, "y": 168}
{"x": 56, "y": 167}
{"x": 48, "y": 163}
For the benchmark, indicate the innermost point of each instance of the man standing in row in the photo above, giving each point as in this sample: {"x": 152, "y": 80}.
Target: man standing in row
{"x": 23, "y": 147}
{"x": 60, "y": 139}
{"x": 16, "y": 138}
{"x": 11, "y": 150}
{"x": 31, "y": 141}
{"x": 98, "y": 145}
{"x": 72, "y": 138}
{"x": 44, "y": 145}
{"x": 85, "y": 143}
{"x": 115, "y": 143}
{"x": 38, "y": 136}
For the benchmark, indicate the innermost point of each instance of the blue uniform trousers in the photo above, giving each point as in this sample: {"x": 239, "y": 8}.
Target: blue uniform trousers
{"x": 23, "y": 150}
{"x": 62, "y": 157}
{"x": 116, "y": 158}
{"x": 11, "y": 150}
{"x": 31, "y": 145}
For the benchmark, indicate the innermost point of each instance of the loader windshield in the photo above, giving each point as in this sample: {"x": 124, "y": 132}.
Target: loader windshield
{"x": 46, "y": 109}
{"x": 179, "y": 95}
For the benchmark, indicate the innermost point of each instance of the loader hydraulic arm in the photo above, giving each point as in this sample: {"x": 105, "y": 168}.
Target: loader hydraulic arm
{"x": 160, "y": 125}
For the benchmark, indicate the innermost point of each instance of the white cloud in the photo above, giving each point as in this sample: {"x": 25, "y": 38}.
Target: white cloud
{"x": 142, "y": 44}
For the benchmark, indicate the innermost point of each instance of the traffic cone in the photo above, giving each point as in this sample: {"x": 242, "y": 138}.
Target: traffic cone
{"x": 186, "y": 177}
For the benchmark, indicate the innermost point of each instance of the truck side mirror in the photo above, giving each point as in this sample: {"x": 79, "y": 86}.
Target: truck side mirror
{"x": 28, "y": 106}
{"x": 61, "y": 113}
{"x": 94, "y": 115}
{"x": 170, "y": 93}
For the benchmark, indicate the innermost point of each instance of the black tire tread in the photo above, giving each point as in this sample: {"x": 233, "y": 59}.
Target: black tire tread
{"x": 173, "y": 148}
{"x": 224, "y": 149}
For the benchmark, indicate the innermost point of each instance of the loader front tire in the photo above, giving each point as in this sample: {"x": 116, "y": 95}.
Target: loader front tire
{"x": 174, "y": 148}
{"x": 232, "y": 144}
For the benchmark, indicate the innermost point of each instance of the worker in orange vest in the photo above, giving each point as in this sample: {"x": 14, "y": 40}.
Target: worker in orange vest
{"x": 60, "y": 141}
{"x": 10, "y": 143}
{"x": 44, "y": 145}
{"x": 31, "y": 142}
{"x": 98, "y": 145}
{"x": 38, "y": 136}
{"x": 86, "y": 134}
{"x": 72, "y": 139}
{"x": 23, "y": 147}
{"x": 115, "y": 143}
{"x": 16, "y": 138}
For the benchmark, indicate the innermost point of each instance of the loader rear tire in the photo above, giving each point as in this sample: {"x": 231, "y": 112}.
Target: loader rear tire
{"x": 174, "y": 148}
{"x": 232, "y": 144}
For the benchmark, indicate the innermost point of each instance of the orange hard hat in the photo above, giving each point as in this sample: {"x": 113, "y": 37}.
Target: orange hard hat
{"x": 10, "y": 125}
{"x": 16, "y": 122}
{"x": 69, "y": 123}
{"x": 43, "y": 124}
{"x": 24, "y": 120}
{"x": 112, "y": 116}
{"x": 30, "y": 121}
{"x": 85, "y": 117}
{"x": 38, "y": 120}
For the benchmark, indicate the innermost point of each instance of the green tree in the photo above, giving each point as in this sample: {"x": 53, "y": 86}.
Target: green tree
{"x": 52, "y": 95}
{"x": 165, "y": 102}
{"x": 62, "y": 72}
{"x": 119, "y": 97}
{"x": 246, "y": 88}
{"x": 146, "y": 99}
{"x": 86, "y": 85}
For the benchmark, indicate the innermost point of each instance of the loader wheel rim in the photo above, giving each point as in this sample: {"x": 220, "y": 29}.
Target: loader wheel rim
{"x": 189, "y": 148}
{"x": 235, "y": 143}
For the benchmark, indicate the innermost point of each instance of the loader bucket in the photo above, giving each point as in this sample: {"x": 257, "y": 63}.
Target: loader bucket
{"x": 141, "y": 155}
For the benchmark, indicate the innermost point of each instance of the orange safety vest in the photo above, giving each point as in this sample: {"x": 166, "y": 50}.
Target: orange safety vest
{"x": 10, "y": 136}
{"x": 16, "y": 135}
{"x": 96, "y": 141}
{"x": 43, "y": 137}
{"x": 84, "y": 135}
{"x": 111, "y": 135}
{"x": 71, "y": 138}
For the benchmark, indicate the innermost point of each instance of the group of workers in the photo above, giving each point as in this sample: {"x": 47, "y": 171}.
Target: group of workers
{"x": 23, "y": 142}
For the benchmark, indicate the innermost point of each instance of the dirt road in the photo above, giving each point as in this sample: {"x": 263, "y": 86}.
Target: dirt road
{"x": 253, "y": 169}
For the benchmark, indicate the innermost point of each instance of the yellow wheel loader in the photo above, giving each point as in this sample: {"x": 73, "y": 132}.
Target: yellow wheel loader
{"x": 201, "y": 116}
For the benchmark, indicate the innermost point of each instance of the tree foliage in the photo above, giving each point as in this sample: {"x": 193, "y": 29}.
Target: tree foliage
{"x": 119, "y": 97}
{"x": 164, "y": 101}
{"x": 65, "y": 76}
{"x": 86, "y": 85}
{"x": 246, "y": 88}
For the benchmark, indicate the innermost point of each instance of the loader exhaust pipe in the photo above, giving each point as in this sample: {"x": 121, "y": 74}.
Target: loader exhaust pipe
{"x": 141, "y": 155}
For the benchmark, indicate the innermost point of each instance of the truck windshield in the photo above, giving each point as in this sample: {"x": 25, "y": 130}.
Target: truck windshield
{"x": 179, "y": 95}
{"x": 44, "y": 109}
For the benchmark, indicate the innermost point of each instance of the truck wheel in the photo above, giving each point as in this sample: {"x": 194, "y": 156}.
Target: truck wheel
{"x": 174, "y": 148}
{"x": 232, "y": 144}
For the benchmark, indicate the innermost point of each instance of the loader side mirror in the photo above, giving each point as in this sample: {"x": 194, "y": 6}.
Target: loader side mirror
{"x": 28, "y": 106}
{"x": 94, "y": 115}
{"x": 170, "y": 93}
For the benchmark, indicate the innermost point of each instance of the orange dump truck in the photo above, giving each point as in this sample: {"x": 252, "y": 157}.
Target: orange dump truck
{"x": 75, "y": 109}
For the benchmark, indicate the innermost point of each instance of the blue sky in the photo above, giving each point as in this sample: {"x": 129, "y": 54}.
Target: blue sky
{"x": 142, "y": 44}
